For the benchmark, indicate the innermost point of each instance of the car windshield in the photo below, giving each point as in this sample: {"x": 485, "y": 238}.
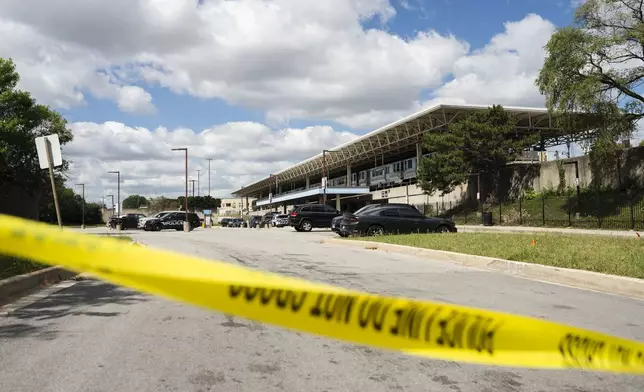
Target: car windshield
{"x": 365, "y": 208}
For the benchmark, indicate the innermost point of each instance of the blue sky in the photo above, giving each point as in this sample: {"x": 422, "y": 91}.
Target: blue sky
{"x": 474, "y": 21}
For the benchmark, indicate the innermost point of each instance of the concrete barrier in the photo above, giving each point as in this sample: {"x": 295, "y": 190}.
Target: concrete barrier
{"x": 20, "y": 285}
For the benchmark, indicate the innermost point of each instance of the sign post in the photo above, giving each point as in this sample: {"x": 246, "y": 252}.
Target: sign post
{"x": 49, "y": 156}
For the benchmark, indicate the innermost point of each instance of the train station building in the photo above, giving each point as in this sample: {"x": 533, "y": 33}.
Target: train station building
{"x": 381, "y": 166}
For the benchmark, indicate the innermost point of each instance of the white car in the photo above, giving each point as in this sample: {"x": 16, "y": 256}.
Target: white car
{"x": 279, "y": 220}
{"x": 141, "y": 222}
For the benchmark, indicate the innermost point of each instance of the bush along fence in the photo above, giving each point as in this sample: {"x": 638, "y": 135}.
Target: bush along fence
{"x": 587, "y": 209}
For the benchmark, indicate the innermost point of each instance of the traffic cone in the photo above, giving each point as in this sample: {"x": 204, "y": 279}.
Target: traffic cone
{"x": 534, "y": 242}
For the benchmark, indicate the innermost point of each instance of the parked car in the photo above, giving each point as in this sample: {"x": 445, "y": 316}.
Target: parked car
{"x": 129, "y": 221}
{"x": 224, "y": 222}
{"x": 254, "y": 221}
{"x": 173, "y": 220}
{"x": 280, "y": 220}
{"x": 308, "y": 216}
{"x": 236, "y": 222}
{"x": 268, "y": 217}
{"x": 391, "y": 219}
{"x": 157, "y": 215}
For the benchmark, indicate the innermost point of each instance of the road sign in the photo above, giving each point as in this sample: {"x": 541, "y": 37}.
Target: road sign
{"x": 41, "y": 146}
{"x": 207, "y": 212}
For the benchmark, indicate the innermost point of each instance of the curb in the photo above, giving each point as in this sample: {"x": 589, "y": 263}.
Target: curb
{"x": 540, "y": 230}
{"x": 611, "y": 284}
{"x": 19, "y": 285}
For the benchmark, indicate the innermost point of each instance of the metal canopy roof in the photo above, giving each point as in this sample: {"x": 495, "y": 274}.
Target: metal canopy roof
{"x": 403, "y": 134}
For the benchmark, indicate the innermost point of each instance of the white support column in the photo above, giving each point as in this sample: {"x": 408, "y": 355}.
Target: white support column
{"x": 308, "y": 183}
{"x": 349, "y": 184}
{"x": 337, "y": 202}
{"x": 407, "y": 193}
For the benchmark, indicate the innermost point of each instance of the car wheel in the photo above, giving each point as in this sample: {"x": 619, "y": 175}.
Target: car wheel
{"x": 158, "y": 227}
{"x": 343, "y": 235}
{"x": 306, "y": 225}
{"x": 375, "y": 230}
{"x": 443, "y": 229}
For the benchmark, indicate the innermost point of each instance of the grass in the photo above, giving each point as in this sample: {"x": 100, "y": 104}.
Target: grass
{"x": 609, "y": 255}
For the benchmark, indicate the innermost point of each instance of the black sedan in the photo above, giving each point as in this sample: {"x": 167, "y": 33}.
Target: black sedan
{"x": 390, "y": 219}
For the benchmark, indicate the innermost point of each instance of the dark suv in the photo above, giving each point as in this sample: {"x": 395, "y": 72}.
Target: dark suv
{"x": 308, "y": 216}
{"x": 173, "y": 220}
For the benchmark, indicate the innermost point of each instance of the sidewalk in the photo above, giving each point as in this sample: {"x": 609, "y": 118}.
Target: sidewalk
{"x": 525, "y": 229}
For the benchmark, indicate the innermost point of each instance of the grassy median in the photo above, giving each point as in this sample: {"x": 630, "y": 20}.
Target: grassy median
{"x": 609, "y": 255}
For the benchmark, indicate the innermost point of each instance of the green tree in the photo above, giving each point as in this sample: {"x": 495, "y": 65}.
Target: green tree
{"x": 71, "y": 208}
{"x": 134, "y": 201}
{"x": 161, "y": 203}
{"x": 22, "y": 182}
{"x": 484, "y": 141}
{"x": 596, "y": 66}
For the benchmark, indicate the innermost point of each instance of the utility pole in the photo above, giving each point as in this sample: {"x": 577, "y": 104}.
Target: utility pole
{"x": 118, "y": 191}
{"x": 83, "y": 207}
{"x": 198, "y": 182}
{"x": 209, "y": 159}
{"x": 186, "y": 224}
{"x": 193, "y": 187}
{"x": 112, "y": 196}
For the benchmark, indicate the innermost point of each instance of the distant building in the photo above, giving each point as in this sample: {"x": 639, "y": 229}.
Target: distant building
{"x": 234, "y": 206}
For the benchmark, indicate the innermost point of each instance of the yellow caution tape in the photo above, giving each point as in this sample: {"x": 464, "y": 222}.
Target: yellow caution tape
{"x": 422, "y": 328}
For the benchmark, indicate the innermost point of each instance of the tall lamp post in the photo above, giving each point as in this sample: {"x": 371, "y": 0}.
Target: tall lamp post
{"x": 209, "y": 159}
{"x": 118, "y": 191}
{"x": 186, "y": 224}
{"x": 82, "y": 207}
{"x": 198, "y": 182}
{"x": 193, "y": 187}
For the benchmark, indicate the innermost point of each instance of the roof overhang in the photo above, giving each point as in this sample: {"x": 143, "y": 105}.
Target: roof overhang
{"x": 402, "y": 135}
{"x": 313, "y": 192}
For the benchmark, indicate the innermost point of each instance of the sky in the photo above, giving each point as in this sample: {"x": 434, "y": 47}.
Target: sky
{"x": 258, "y": 85}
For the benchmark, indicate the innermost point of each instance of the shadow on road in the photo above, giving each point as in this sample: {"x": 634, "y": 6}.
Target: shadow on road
{"x": 83, "y": 299}
{"x": 79, "y": 300}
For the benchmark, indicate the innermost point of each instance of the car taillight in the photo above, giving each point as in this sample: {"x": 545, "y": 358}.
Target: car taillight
{"x": 354, "y": 219}
{"x": 294, "y": 213}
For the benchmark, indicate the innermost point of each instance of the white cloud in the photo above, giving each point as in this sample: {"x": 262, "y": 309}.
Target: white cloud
{"x": 504, "y": 71}
{"x": 290, "y": 58}
{"x": 242, "y": 152}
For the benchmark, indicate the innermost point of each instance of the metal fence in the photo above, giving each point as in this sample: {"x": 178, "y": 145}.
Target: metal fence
{"x": 605, "y": 210}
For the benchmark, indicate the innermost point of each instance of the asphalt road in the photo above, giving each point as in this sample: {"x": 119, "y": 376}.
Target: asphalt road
{"x": 97, "y": 337}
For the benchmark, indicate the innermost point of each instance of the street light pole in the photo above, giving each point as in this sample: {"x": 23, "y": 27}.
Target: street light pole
{"x": 193, "y": 187}
{"x": 198, "y": 182}
{"x": 209, "y": 159}
{"x": 186, "y": 224}
{"x": 83, "y": 207}
{"x": 118, "y": 191}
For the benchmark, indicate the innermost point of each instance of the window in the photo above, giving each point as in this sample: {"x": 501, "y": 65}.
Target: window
{"x": 409, "y": 213}
{"x": 362, "y": 175}
{"x": 317, "y": 208}
{"x": 410, "y": 164}
{"x": 391, "y": 212}
{"x": 329, "y": 209}
{"x": 305, "y": 209}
